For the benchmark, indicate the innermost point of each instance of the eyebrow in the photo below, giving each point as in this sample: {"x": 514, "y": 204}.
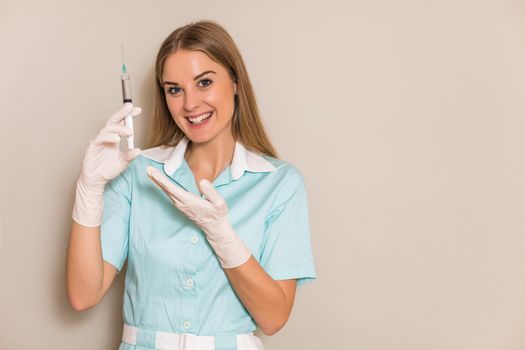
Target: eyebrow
{"x": 196, "y": 77}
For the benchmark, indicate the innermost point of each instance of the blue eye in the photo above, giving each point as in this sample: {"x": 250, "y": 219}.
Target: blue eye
{"x": 172, "y": 90}
{"x": 206, "y": 80}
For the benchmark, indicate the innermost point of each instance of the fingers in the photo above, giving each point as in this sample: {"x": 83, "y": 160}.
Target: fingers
{"x": 169, "y": 187}
{"x": 126, "y": 109}
{"x": 136, "y": 111}
{"x": 117, "y": 129}
{"x": 112, "y": 133}
{"x": 122, "y": 112}
{"x": 129, "y": 155}
{"x": 106, "y": 138}
{"x": 211, "y": 193}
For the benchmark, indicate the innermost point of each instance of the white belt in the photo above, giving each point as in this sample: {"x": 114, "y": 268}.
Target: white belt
{"x": 185, "y": 341}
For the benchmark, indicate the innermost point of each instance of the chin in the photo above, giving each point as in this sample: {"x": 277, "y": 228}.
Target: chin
{"x": 199, "y": 138}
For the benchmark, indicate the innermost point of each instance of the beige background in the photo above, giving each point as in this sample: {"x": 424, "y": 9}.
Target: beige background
{"x": 405, "y": 117}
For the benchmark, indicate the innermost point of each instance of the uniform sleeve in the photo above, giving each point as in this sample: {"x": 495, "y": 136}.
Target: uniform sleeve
{"x": 286, "y": 249}
{"x": 114, "y": 230}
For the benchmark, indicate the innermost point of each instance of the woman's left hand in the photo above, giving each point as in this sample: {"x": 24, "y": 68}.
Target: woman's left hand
{"x": 210, "y": 214}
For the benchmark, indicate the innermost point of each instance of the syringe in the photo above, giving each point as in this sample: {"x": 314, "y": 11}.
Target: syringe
{"x": 126, "y": 97}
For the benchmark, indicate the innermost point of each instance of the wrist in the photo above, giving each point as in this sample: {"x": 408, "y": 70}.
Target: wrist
{"x": 91, "y": 184}
{"x": 89, "y": 203}
{"x": 219, "y": 231}
{"x": 230, "y": 249}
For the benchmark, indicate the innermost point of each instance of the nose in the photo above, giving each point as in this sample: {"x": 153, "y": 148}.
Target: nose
{"x": 191, "y": 101}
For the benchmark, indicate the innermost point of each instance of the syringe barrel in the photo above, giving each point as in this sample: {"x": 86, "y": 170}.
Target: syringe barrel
{"x": 126, "y": 88}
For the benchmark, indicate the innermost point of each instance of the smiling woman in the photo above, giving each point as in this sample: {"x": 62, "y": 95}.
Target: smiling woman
{"x": 203, "y": 47}
{"x": 213, "y": 226}
{"x": 202, "y": 106}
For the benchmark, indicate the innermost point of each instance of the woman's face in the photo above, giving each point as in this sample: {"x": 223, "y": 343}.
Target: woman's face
{"x": 200, "y": 95}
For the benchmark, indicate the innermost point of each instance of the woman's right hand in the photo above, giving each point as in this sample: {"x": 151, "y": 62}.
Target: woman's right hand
{"x": 102, "y": 162}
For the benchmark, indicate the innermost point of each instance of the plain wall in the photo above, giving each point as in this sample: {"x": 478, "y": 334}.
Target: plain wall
{"x": 405, "y": 117}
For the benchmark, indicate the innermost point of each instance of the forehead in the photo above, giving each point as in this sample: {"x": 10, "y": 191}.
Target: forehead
{"x": 184, "y": 65}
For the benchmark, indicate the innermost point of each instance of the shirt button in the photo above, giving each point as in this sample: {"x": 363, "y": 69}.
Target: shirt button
{"x": 194, "y": 239}
{"x": 187, "y": 325}
{"x": 189, "y": 282}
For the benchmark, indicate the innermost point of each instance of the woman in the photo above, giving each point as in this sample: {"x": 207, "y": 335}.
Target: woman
{"x": 213, "y": 225}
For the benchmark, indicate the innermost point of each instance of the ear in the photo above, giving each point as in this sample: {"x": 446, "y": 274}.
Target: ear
{"x": 235, "y": 88}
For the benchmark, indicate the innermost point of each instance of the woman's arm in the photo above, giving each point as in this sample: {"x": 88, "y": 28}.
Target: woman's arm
{"x": 88, "y": 277}
{"x": 268, "y": 301}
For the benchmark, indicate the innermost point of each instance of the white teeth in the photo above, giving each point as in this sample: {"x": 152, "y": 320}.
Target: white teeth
{"x": 199, "y": 118}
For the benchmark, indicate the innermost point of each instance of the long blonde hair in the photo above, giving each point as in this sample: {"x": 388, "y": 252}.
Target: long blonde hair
{"x": 212, "y": 39}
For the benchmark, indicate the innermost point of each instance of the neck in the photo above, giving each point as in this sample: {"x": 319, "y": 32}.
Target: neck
{"x": 210, "y": 158}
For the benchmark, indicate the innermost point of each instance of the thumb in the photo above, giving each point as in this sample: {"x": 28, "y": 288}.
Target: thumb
{"x": 211, "y": 193}
{"x": 131, "y": 154}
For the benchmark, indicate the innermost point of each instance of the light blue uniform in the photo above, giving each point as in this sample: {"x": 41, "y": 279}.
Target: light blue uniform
{"x": 174, "y": 282}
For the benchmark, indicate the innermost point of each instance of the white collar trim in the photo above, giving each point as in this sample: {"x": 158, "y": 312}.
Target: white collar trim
{"x": 243, "y": 159}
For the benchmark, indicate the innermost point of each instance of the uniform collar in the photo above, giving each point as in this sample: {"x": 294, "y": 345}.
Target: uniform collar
{"x": 243, "y": 159}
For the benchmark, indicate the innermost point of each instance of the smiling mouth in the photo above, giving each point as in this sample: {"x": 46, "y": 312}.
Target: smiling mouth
{"x": 199, "y": 119}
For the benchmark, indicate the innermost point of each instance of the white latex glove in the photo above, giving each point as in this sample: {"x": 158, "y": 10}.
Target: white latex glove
{"x": 103, "y": 161}
{"x": 210, "y": 214}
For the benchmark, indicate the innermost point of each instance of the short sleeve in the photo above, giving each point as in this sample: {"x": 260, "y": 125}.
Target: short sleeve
{"x": 114, "y": 230}
{"x": 286, "y": 248}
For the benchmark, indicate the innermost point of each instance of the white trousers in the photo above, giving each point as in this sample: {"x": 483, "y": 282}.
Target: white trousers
{"x": 185, "y": 341}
